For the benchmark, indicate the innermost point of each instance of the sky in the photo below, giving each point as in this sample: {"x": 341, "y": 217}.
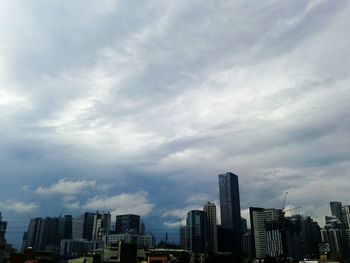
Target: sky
{"x": 137, "y": 106}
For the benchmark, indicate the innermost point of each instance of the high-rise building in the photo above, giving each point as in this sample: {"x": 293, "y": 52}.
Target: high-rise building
{"x": 283, "y": 239}
{"x": 3, "y": 225}
{"x": 231, "y": 210}
{"x": 211, "y": 229}
{"x": 258, "y": 218}
{"x": 195, "y": 231}
{"x": 65, "y": 227}
{"x": 82, "y": 227}
{"x": 182, "y": 236}
{"x": 336, "y": 210}
{"x": 310, "y": 235}
{"x": 101, "y": 226}
{"x": 142, "y": 228}
{"x": 346, "y": 216}
{"x": 127, "y": 224}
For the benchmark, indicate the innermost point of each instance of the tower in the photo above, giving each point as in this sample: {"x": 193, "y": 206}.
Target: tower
{"x": 231, "y": 211}
{"x": 195, "y": 231}
{"x": 211, "y": 230}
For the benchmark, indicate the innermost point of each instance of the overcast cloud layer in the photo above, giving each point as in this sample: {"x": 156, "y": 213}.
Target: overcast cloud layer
{"x": 136, "y": 106}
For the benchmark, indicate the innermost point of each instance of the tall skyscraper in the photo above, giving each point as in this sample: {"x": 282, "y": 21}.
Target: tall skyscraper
{"x": 230, "y": 209}
{"x": 195, "y": 231}
{"x": 211, "y": 229}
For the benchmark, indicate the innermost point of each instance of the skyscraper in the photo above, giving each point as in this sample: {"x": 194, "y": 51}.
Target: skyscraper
{"x": 211, "y": 229}
{"x": 231, "y": 210}
{"x": 195, "y": 231}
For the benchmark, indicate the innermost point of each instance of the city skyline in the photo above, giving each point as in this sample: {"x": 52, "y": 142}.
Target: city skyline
{"x": 136, "y": 107}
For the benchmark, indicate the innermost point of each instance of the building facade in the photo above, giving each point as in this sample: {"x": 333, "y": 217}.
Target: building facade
{"x": 258, "y": 218}
{"x": 195, "y": 231}
{"x": 128, "y": 223}
{"x": 230, "y": 210}
{"x": 211, "y": 229}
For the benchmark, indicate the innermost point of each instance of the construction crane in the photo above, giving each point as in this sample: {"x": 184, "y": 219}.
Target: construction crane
{"x": 284, "y": 210}
{"x": 284, "y": 201}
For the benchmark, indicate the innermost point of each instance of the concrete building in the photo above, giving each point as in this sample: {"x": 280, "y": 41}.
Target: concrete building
{"x": 283, "y": 239}
{"x": 346, "y": 216}
{"x": 333, "y": 237}
{"x": 70, "y": 247}
{"x": 82, "y": 227}
{"x": 211, "y": 229}
{"x": 230, "y": 210}
{"x": 258, "y": 218}
{"x": 247, "y": 244}
{"x": 336, "y": 210}
{"x": 101, "y": 225}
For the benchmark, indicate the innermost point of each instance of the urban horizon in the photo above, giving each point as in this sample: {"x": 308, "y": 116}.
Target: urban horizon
{"x": 133, "y": 225}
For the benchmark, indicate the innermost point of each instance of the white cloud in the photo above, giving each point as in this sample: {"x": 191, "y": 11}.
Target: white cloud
{"x": 127, "y": 203}
{"x": 66, "y": 187}
{"x": 20, "y": 207}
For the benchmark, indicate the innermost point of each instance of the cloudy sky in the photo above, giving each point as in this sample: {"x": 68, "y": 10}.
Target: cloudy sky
{"x": 137, "y": 106}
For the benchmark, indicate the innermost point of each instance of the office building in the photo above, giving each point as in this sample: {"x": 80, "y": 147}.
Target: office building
{"x": 195, "y": 231}
{"x": 82, "y": 227}
{"x": 346, "y": 216}
{"x": 127, "y": 224}
{"x": 211, "y": 229}
{"x": 336, "y": 210}
{"x": 3, "y": 226}
{"x": 230, "y": 210}
{"x": 258, "y": 218}
{"x": 283, "y": 239}
{"x": 310, "y": 235}
{"x": 101, "y": 226}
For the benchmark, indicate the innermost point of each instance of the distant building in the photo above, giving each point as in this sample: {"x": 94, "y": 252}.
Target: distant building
{"x": 5, "y": 249}
{"x": 128, "y": 223}
{"x": 230, "y": 210}
{"x": 195, "y": 231}
{"x": 82, "y": 227}
{"x": 247, "y": 245}
{"x": 147, "y": 241}
{"x": 142, "y": 228}
{"x": 211, "y": 229}
{"x": 101, "y": 225}
{"x": 182, "y": 236}
{"x": 70, "y": 247}
{"x": 346, "y": 216}
{"x": 336, "y": 210}
{"x": 258, "y": 218}
{"x": 3, "y": 226}
{"x": 310, "y": 235}
{"x": 283, "y": 239}
{"x": 244, "y": 225}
